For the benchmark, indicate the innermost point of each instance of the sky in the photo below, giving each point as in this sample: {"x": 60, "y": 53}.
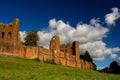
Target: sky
{"x": 94, "y": 23}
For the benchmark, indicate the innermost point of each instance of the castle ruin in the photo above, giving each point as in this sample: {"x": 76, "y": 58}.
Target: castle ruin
{"x": 65, "y": 54}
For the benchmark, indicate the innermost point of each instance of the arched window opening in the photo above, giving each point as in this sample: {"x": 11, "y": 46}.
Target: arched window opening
{"x": 9, "y": 35}
{"x": 2, "y": 34}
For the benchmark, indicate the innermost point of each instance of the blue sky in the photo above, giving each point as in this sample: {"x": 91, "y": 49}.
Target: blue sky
{"x": 82, "y": 20}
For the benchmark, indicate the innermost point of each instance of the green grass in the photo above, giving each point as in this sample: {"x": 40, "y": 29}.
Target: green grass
{"x": 24, "y": 69}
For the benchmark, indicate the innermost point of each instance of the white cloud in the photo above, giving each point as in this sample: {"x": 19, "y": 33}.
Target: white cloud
{"x": 89, "y": 35}
{"x": 112, "y": 17}
{"x": 100, "y": 68}
{"x": 115, "y": 50}
{"x": 44, "y": 38}
{"x": 87, "y": 32}
{"x": 52, "y": 24}
{"x": 97, "y": 49}
{"x": 118, "y": 60}
{"x": 22, "y": 35}
{"x": 94, "y": 21}
{"x": 114, "y": 56}
{"x": 99, "y": 59}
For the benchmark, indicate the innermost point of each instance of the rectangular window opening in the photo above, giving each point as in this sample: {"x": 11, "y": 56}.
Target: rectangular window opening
{"x": 2, "y": 34}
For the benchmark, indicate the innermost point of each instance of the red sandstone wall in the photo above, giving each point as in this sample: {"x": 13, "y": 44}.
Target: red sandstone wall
{"x": 31, "y": 52}
{"x": 44, "y": 54}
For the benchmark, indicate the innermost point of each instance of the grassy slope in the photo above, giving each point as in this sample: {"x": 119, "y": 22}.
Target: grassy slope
{"x": 23, "y": 69}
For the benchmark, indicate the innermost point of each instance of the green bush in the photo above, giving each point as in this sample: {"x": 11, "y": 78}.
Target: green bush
{"x": 49, "y": 61}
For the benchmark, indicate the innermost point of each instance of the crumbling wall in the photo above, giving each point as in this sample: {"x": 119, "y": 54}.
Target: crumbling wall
{"x": 44, "y": 54}
{"x": 66, "y": 54}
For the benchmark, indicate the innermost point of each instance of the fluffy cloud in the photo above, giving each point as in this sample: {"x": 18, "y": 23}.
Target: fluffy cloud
{"x": 22, "y": 35}
{"x": 83, "y": 32}
{"x": 44, "y": 38}
{"x": 89, "y": 35}
{"x": 99, "y": 51}
{"x": 114, "y": 56}
{"x": 118, "y": 60}
{"x": 112, "y": 17}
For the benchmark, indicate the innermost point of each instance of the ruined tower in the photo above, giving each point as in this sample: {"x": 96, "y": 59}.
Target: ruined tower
{"x": 76, "y": 51}
{"x": 55, "y": 43}
{"x": 9, "y": 37}
{"x": 15, "y": 32}
{"x": 9, "y": 32}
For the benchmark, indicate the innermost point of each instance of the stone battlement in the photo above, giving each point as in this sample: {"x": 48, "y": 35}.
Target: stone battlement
{"x": 66, "y": 54}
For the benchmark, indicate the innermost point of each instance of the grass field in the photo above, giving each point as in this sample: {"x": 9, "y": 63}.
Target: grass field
{"x": 24, "y": 69}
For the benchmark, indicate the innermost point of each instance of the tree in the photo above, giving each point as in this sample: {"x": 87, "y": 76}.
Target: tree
{"x": 94, "y": 65}
{"x": 114, "y": 67}
{"x": 88, "y": 57}
{"x": 82, "y": 57}
{"x": 31, "y": 39}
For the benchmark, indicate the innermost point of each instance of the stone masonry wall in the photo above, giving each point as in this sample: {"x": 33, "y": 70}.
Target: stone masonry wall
{"x": 67, "y": 54}
{"x": 9, "y": 32}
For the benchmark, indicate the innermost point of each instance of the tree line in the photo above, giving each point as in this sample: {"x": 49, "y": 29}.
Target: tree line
{"x": 113, "y": 68}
